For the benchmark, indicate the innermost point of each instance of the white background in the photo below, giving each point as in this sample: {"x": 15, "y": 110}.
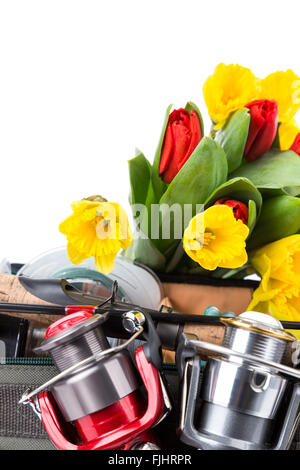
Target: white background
{"x": 82, "y": 83}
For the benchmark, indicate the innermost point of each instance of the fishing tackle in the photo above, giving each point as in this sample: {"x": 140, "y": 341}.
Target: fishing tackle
{"x": 249, "y": 395}
{"x": 96, "y": 401}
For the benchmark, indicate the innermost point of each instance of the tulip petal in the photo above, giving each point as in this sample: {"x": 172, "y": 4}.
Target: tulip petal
{"x": 263, "y": 128}
{"x": 264, "y": 140}
{"x": 181, "y": 138}
{"x": 196, "y": 136}
{"x": 167, "y": 151}
{"x": 256, "y": 125}
{"x": 182, "y": 135}
{"x": 296, "y": 144}
{"x": 190, "y": 106}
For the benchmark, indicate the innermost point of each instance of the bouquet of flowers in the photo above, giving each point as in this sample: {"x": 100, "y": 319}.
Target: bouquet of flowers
{"x": 222, "y": 205}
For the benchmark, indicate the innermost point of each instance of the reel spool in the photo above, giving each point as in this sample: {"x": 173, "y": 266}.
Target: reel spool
{"x": 249, "y": 395}
{"x": 95, "y": 402}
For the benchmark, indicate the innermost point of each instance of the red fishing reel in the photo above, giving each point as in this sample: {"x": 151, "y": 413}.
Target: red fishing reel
{"x": 100, "y": 400}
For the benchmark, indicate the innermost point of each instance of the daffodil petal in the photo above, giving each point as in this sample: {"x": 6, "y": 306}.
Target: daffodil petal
{"x": 215, "y": 239}
{"x": 230, "y": 88}
{"x": 279, "y": 291}
{"x": 99, "y": 229}
{"x": 284, "y": 88}
{"x": 288, "y": 132}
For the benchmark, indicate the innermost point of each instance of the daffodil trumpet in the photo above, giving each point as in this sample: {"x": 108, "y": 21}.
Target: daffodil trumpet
{"x": 278, "y": 264}
{"x": 96, "y": 228}
{"x": 216, "y": 239}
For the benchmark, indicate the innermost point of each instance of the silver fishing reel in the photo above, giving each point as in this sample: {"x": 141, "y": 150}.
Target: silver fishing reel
{"x": 248, "y": 395}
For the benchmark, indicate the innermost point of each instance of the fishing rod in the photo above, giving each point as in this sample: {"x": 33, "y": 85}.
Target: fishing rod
{"x": 169, "y": 322}
{"x": 166, "y": 314}
{"x": 169, "y": 325}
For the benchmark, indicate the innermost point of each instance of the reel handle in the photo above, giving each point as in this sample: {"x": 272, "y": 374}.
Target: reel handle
{"x": 290, "y": 422}
{"x": 187, "y": 431}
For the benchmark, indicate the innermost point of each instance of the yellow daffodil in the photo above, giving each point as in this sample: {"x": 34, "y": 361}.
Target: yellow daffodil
{"x": 214, "y": 238}
{"x": 279, "y": 260}
{"x": 280, "y": 300}
{"x": 96, "y": 228}
{"x": 284, "y": 88}
{"x": 288, "y": 132}
{"x": 230, "y": 88}
{"x": 278, "y": 263}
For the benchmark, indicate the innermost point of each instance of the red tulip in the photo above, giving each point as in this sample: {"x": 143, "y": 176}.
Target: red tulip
{"x": 262, "y": 129}
{"x": 182, "y": 136}
{"x": 296, "y": 145}
{"x": 240, "y": 210}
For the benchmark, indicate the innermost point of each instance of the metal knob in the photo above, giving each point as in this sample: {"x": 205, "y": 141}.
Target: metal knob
{"x": 133, "y": 321}
{"x": 145, "y": 446}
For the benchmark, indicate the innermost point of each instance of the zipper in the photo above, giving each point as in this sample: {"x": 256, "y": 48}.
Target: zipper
{"x": 47, "y": 361}
{"x": 170, "y": 367}
{"x": 27, "y": 361}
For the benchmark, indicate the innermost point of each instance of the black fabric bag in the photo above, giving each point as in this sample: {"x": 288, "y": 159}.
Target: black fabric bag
{"x": 20, "y": 428}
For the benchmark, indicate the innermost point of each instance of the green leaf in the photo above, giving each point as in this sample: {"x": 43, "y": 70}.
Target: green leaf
{"x": 233, "y": 137}
{"x": 190, "y": 106}
{"x": 276, "y": 141}
{"x": 141, "y": 189}
{"x": 159, "y": 186}
{"x": 293, "y": 191}
{"x": 274, "y": 170}
{"x": 238, "y": 273}
{"x": 176, "y": 258}
{"x": 205, "y": 170}
{"x": 279, "y": 218}
{"x": 268, "y": 193}
{"x": 139, "y": 175}
{"x": 252, "y": 215}
{"x": 240, "y": 189}
{"x": 143, "y": 251}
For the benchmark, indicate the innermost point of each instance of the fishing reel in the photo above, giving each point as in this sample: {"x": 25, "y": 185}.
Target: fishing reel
{"x": 100, "y": 400}
{"x": 248, "y": 395}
